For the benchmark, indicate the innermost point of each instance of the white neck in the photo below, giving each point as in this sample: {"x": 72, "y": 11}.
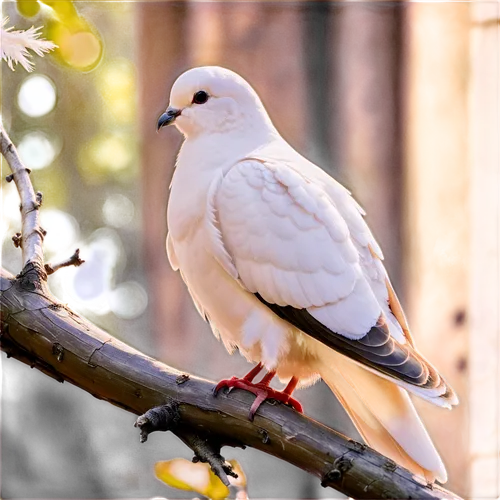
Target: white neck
{"x": 227, "y": 147}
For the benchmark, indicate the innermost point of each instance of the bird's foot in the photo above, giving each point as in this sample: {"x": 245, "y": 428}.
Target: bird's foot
{"x": 262, "y": 392}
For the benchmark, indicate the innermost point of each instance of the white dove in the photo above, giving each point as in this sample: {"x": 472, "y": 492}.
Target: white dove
{"x": 278, "y": 258}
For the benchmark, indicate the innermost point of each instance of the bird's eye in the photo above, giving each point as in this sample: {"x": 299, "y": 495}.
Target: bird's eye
{"x": 201, "y": 97}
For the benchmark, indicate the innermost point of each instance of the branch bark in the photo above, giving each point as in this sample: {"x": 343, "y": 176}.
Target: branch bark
{"x": 36, "y": 329}
{"x": 32, "y": 234}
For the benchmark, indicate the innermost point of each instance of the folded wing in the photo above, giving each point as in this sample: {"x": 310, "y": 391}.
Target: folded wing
{"x": 311, "y": 259}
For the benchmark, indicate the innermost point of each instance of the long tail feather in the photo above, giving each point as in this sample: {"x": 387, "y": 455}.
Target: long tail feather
{"x": 384, "y": 416}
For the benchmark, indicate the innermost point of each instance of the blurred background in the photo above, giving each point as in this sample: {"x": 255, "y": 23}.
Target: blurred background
{"x": 398, "y": 101}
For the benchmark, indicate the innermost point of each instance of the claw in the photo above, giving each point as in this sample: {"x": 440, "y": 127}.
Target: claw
{"x": 224, "y": 383}
{"x": 262, "y": 392}
{"x": 261, "y": 397}
{"x": 294, "y": 404}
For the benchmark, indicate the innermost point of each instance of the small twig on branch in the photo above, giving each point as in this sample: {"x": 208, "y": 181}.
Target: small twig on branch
{"x": 74, "y": 260}
{"x": 207, "y": 450}
{"x": 166, "y": 418}
{"x": 32, "y": 234}
{"x": 18, "y": 240}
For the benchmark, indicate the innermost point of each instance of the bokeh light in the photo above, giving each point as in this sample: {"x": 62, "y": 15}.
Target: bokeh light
{"x": 37, "y": 150}
{"x": 105, "y": 155}
{"x": 111, "y": 152}
{"x": 81, "y": 50}
{"x": 28, "y": 8}
{"x": 37, "y": 96}
{"x": 128, "y": 300}
{"x": 117, "y": 86}
{"x": 118, "y": 210}
{"x": 89, "y": 283}
{"x": 62, "y": 231}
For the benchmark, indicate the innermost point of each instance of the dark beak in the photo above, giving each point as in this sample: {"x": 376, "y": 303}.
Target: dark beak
{"x": 168, "y": 117}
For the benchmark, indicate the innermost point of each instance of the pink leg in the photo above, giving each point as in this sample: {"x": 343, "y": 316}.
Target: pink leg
{"x": 266, "y": 380}
{"x": 291, "y": 386}
{"x": 253, "y": 372}
{"x": 287, "y": 392}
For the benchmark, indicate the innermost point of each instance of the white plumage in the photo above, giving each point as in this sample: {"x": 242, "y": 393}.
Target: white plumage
{"x": 278, "y": 258}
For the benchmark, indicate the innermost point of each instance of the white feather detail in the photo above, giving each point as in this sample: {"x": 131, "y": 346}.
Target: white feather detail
{"x": 197, "y": 303}
{"x": 15, "y": 45}
{"x": 215, "y": 236}
{"x": 295, "y": 227}
{"x": 172, "y": 257}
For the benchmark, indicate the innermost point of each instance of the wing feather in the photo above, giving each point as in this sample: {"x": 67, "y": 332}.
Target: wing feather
{"x": 302, "y": 247}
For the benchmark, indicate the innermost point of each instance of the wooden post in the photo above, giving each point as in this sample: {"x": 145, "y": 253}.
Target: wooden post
{"x": 437, "y": 201}
{"x": 484, "y": 293}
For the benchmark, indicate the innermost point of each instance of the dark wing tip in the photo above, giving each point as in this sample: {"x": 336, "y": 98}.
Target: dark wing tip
{"x": 377, "y": 349}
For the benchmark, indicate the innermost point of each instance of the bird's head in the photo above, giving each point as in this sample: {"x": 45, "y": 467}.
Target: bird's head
{"x": 211, "y": 99}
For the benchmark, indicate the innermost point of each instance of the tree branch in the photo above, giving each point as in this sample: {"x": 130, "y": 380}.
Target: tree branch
{"x": 41, "y": 332}
{"x": 32, "y": 234}
{"x": 36, "y": 329}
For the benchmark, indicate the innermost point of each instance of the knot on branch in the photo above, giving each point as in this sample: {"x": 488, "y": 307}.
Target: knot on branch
{"x": 35, "y": 205}
{"x": 160, "y": 418}
{"x": 10, "y": 177}
{"x": 32, "y": 278}
{"x": 340, "y": 467}
{"x": 18, "y": 240}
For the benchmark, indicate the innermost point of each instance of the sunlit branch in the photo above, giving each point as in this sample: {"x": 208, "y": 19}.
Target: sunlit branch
{"x": 32, "y": 234}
